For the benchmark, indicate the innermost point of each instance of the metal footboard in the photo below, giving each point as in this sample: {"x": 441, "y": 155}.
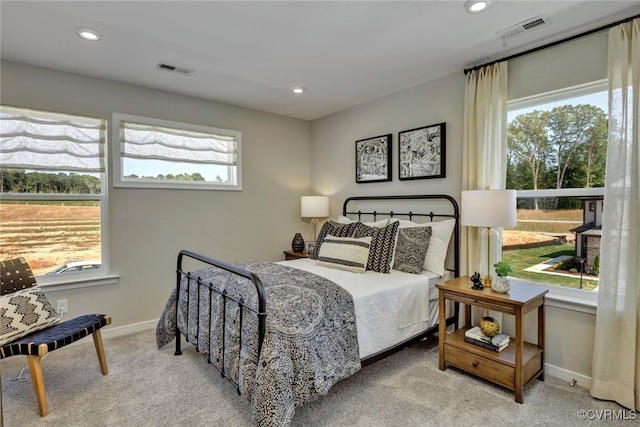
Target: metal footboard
{"x": 260, "y": 311}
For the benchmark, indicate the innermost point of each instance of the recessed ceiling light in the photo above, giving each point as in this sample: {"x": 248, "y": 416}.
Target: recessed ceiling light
{"x": 88, "y": 34}
{"x": 298, "y": 90}
{"x": 477, "y": 6}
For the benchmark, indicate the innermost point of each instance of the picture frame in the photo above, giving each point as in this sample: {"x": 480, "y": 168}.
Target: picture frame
{"x": 309, "y": 247}
{"x": 422, "y": 152}
{"x": 373, "y": 159}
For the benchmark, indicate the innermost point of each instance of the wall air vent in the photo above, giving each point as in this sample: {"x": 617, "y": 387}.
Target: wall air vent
{"x": 174, "y": 69}
{"x": 523, "y": 27}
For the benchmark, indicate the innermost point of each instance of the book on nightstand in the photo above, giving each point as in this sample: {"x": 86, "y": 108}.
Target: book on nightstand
{"x": 496, "y": 343}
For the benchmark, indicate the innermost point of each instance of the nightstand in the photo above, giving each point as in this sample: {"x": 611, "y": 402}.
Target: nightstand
{"x": 514, "y": 367}
{"x": 289, "y": 255}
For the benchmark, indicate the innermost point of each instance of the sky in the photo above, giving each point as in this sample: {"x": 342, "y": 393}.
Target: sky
{"x": 599, "y": 99}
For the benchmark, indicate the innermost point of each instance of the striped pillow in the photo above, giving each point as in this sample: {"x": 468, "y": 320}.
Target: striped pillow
{"x": 345, "y": 253}
{"x": 334, "y": 229}
{"x": 383, "y": 245}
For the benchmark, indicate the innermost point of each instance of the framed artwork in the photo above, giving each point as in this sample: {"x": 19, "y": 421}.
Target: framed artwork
{"x": 373, "y": 159}
{"x": 422, "y": 152}
{"x": 309, "y": 247}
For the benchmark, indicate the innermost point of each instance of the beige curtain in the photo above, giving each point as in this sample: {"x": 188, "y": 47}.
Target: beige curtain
{"x": 616, "y": 358}
{"x": 484, "y": 163}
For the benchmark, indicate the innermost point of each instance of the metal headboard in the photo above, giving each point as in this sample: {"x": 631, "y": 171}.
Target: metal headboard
{"x": 452, "y": 213}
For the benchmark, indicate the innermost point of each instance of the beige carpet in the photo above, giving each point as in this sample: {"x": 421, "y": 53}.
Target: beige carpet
{"x": 151, "y": 387}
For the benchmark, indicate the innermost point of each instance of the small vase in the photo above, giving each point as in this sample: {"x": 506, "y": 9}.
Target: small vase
{"x": 489, "y": 326}
{"x": 501, "y": 284}
{"x": 298, "y": 243}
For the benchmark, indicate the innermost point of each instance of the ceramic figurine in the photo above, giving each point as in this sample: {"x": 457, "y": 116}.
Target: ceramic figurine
{"x": 477, "y": 284}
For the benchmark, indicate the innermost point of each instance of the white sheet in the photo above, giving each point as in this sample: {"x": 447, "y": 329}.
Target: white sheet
{"x": 390, "y": 308}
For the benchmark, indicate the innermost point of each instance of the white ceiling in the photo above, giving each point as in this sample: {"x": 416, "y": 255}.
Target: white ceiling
{"x": 252, "y": 54}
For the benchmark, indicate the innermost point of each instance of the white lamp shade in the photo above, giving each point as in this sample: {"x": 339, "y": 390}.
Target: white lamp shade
{"x": 488, "y": 208}
{"x": 314, "y": 206}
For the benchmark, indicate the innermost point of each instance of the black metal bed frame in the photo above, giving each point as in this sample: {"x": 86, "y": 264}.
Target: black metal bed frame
{"x": 261, "y": 310}
{"x": 455, "y": 213}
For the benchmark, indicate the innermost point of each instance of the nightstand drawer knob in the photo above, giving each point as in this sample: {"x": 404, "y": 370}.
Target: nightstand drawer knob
{"x": 475, "y": 364}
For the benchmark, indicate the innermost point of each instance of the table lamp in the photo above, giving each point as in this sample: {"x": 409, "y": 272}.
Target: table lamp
{"x": 314, "y": 207}
{"x": 488, "y": 209}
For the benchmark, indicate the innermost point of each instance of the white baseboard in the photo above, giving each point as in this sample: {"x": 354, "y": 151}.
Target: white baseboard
{"x": 551, "y": 370}
{"x": 109, "y": 332}
{"x": 568, "y": 376}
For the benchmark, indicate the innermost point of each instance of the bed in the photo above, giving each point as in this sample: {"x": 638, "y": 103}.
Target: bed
{"x": 283, "y": 333}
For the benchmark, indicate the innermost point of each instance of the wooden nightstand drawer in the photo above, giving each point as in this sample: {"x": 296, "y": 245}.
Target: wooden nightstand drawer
{"x": 481, "y": 366}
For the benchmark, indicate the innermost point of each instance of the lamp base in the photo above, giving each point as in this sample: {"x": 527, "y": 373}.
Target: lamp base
{"x": 314, "y": 222}
{"x": 490, "y": 242}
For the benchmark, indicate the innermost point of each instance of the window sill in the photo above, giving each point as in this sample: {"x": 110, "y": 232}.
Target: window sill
{"x": 71, "y": 281}
{"x": 566, "y": 298}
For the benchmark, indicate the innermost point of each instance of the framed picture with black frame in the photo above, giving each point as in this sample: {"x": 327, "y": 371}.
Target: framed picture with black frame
{"x": 373, "y": 159}
{"x": 422, "y": 152}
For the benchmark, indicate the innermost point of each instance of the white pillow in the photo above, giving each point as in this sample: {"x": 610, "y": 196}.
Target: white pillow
{"x": 381, "y": 223}
{"x": 345, "y": 253}
{"x": 441, "y": 232}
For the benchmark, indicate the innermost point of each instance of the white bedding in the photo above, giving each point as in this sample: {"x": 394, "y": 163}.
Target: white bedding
{"x": 390, "y": 308}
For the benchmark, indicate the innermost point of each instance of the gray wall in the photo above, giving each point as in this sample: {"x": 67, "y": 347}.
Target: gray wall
{"x": 333, "y": 140}
{"x": 569, "y": 330}
{"x": 147, "y": 228}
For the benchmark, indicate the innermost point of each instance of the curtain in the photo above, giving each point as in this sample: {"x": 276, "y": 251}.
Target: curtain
{"x": 616, "y": 358}
{"x": 155, "y": 142}
{"x": 484, "y": 163}
{"x": 40, "y": 140}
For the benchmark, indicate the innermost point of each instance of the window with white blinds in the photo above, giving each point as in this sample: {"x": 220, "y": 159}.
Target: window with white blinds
{"x": 53, "y": 200}
{"x": 46, "y": 141}
{"x": 163, "y": 154}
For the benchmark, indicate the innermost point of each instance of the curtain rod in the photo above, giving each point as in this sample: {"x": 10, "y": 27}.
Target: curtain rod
{"x": 552, "y": 44}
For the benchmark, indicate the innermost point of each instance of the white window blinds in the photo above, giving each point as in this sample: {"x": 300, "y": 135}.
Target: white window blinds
{"x": 42, "y": 140}
{"x": 143, "y": 141}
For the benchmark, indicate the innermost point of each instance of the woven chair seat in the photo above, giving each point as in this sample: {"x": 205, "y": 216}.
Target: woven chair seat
{"x": 56, "y": 336}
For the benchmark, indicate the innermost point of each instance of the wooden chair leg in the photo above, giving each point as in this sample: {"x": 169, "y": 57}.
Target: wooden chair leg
{"x": 35, "y": 368}
{"x": 97, "y": 341}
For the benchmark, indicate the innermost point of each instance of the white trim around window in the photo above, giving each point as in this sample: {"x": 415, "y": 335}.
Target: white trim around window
{"x": 558, "y": 95}
{"x": 187, "y": 146}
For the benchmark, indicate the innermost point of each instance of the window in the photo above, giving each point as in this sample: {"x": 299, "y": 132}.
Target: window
{"x": 556, "y": 161}
{"x": 53, "y": 204}
{"x": 155, "y": 153}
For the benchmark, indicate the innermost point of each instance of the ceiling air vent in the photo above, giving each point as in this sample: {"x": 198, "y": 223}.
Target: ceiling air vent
{"x": 174, "y": 69}
{"x": 523, "y": 27}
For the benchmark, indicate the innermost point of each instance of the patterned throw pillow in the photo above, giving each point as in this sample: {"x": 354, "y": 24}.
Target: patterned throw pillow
{"x": 335, "y": 229}
{"x": 441, "y": 232}
{"x": 345, "y": 253}
{"x": 411, "y": 249}
{"x": 24, "y": 312}
{"x": 383, "y": 244}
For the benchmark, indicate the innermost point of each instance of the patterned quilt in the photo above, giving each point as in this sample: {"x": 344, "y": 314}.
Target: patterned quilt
{"x": 310, "y": 341}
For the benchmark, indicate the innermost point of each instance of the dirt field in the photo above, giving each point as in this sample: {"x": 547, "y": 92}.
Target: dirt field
{"x": 513, "y": 238}
{"x": 49, "y": 236}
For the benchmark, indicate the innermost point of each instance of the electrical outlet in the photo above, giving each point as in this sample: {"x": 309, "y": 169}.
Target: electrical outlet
{"x": 63, "y": 306}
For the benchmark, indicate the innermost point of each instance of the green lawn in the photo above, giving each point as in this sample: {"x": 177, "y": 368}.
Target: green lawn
{"x": 524, "y": 258}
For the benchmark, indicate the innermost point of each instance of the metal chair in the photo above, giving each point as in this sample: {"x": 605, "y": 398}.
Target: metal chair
{"x": 16, "y": 275}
